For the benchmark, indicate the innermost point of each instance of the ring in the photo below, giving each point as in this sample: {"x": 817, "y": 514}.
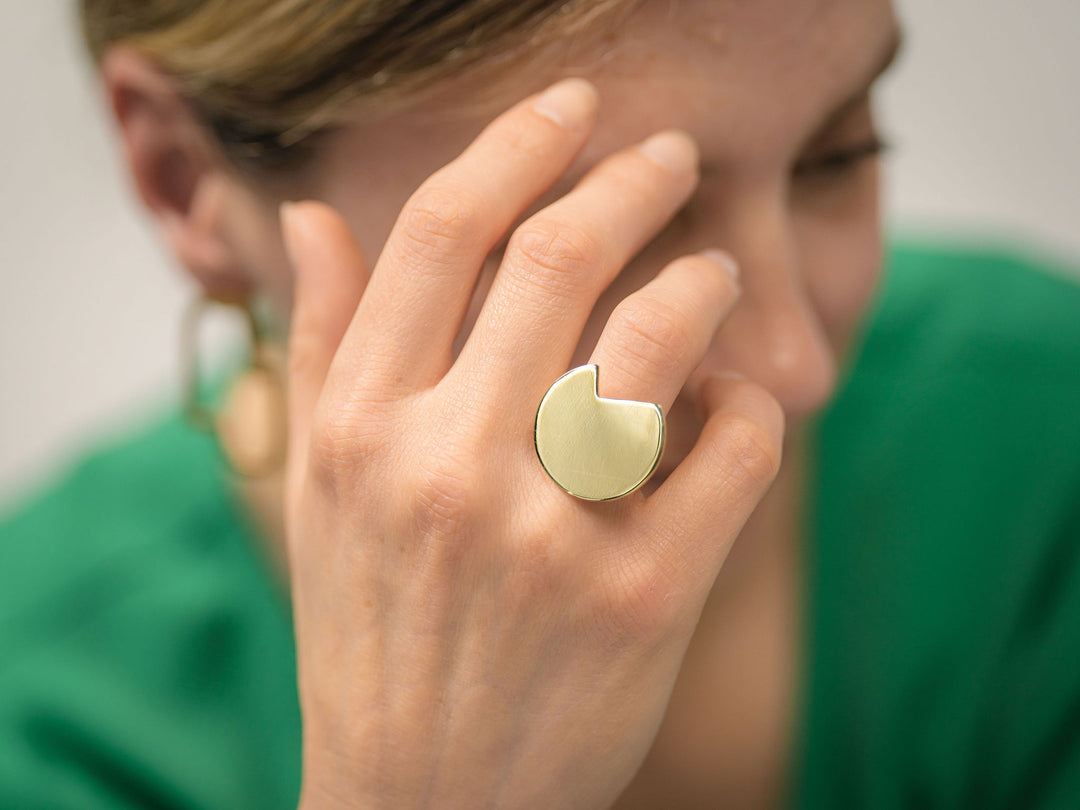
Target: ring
{"x": 594, "y": 448}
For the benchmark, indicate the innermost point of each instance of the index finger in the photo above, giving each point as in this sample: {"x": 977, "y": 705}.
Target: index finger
{"x": 420, "y": 289}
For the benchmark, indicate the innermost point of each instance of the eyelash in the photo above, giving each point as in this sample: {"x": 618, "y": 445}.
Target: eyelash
{"x": 840, "y": 161}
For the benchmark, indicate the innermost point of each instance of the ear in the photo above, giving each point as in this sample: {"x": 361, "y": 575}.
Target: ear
{"x": 178, "y": 172}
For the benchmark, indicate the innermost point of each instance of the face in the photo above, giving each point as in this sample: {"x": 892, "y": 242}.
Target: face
{"x": 777, "y": 94}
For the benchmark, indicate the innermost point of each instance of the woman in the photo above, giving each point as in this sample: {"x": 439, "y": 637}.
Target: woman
{"x": 683, "y": 194}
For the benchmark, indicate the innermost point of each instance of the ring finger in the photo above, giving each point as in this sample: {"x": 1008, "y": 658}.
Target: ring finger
{"x": 561, "y": 259}
{"x": 655, "y": 337}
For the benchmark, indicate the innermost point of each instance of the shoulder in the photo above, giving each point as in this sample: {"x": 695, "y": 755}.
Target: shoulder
{"x": 970, "y": 356}
{"x": 976, "y": 307}
{"x": 959, "y": 414}
{"x": 144, "y": 648}
{"x": 117, "y": 502}
{"x": 947, "y": 552}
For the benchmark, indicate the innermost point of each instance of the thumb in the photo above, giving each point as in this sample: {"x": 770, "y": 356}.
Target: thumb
{"x": 331, "y": 274}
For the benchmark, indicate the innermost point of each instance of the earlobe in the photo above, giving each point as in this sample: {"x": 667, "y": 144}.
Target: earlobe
{"x": 179, "y": 176}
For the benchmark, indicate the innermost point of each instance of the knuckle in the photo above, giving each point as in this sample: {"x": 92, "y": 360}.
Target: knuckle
{"x": 341, "y": 442}
{"x": 750, "y": 449}
{"x": 540, "y": 564}
{"x": 560, "y": 254}
{"x": 438, "y": 218}
{"x": 524, "y": 137}
{"x": 651, "y": 330}
{"x": 714, "y": 287}
{"x": 638, "y": 177}
{"x": 640, "y": 604}
{"x": 447, "y": 494}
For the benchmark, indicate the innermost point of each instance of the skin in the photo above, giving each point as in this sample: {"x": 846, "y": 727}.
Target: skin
{"x": 401, "y": 328}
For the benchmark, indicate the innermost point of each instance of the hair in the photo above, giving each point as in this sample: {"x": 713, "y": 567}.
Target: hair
{"x": 269, "y": 77}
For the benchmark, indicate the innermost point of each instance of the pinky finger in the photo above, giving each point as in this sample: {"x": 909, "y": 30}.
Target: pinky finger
{"x": 707, "y": 499}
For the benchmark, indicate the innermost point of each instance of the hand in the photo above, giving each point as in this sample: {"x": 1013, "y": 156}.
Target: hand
{"x": 469, "y": 635}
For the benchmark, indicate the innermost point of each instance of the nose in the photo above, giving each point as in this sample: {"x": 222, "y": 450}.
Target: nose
{"x": 785, "y": 350}
{"x": 775, "y": 335}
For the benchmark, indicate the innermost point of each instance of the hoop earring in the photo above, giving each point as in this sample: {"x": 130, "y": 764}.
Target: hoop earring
{"x": 250, "y": 425}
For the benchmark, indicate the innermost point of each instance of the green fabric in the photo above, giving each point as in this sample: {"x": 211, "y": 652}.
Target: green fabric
{"x": 146, "y": 655}
{"x": 146, "y": 652}
{"x": 944, "y": 615}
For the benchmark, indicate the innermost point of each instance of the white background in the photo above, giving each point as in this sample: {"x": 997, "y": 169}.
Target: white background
{"x": 983, "y": 110}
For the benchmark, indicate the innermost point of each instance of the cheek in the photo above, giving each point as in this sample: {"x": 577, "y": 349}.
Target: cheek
{"x": 257, "y": 239}
{"x": 842, "y": 255}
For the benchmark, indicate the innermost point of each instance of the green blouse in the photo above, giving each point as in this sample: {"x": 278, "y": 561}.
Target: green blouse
{"x": 146, "y": 652}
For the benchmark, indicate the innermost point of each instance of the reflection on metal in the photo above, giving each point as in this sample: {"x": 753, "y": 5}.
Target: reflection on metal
{"x": 595, "y": 448}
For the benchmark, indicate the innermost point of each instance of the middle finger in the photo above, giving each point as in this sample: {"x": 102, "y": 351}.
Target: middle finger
{"x": 561, "y": 259}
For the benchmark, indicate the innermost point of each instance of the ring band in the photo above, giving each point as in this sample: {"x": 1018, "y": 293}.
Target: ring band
{"x": 594, "y": 448}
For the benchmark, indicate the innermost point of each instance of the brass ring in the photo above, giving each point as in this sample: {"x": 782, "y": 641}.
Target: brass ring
{"x": 594, "y": 448}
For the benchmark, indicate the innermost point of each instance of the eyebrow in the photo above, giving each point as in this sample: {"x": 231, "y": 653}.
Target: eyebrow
{"x": 889, "y": 55}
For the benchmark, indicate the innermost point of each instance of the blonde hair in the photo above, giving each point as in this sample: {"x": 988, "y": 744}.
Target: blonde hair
{"x": 269, "y": 76}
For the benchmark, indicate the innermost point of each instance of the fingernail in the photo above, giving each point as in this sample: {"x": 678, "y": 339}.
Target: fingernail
{"x": 673, "y": 150}
{"x": 724, "y": 259}
{"x": 730, "y": 375}
{"x": 568, "y": 103}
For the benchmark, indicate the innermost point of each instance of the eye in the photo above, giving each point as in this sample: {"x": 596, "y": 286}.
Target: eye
{"x": 840, "y": 160}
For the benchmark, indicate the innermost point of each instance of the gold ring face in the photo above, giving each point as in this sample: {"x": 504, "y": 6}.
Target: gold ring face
{"x": 595, "y": 448}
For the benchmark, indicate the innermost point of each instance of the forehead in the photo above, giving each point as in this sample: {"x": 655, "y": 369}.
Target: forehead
{"x": 744, "y": 75}
{"x": 751, "y": 80}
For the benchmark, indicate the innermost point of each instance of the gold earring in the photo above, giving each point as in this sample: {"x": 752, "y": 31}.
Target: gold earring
{"x": 250, "y": 423}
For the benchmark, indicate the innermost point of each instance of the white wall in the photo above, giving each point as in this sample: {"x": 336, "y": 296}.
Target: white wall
{"x": 88, "y": 303}
{"x": 983, "y": 110}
